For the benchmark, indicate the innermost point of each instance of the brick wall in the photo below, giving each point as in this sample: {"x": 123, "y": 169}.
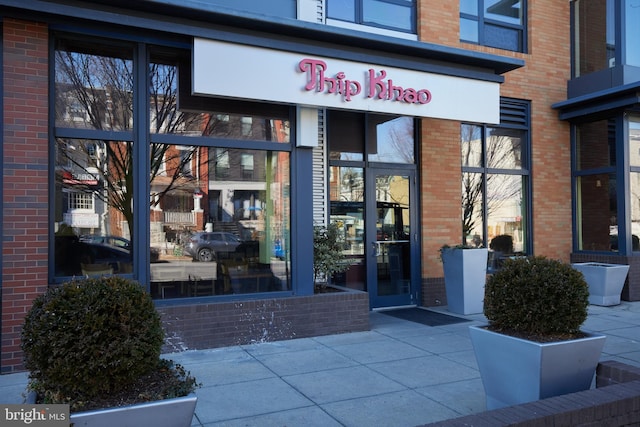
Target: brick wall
{"x": 25, "y": 179}
{"x": 543, "y": 81}
{"x": 210, "y": 325}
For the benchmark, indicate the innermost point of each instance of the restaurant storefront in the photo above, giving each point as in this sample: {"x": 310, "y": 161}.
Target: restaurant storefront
{"x": 195, "y": 155}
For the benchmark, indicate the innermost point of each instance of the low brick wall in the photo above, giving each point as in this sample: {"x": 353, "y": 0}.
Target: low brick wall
{"x": 195, "y": 325}
{"x": 614, "y": 402}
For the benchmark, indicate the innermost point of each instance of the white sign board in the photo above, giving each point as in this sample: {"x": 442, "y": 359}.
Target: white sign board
{"x": 246, "y": 72}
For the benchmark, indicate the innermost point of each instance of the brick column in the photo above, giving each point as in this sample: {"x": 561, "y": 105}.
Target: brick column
{"x": 25, "y": 179}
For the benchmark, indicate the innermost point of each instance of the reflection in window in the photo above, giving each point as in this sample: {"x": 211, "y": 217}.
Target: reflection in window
{"x": 244, "y": 246}
{"x": 166, "y": 118}
{"x": 396, "y": 15}
{"x": 634, "y": 184}
{"x": 596, "y": 144}
{"x": 494, "y": 182}
{"x": 93, "y": 86}
{"x": 504, "y": 148}
{"x": 595, "y": 46}
{"x": 346, "y": 192}
{"x": 597, "y": 213}
{"x": 632, "y": 32}
{"x": 499, "y": 24}
{"x": 93, "y": 210}
{"x": 597, "y": 206}
{"x": 391, "y": 140}
{"x": 634, "y": 180}
{"x": 505, "y": 203}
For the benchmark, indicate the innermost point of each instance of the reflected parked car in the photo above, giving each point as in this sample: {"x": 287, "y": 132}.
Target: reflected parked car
{"x": 118, "y": 241}
{"x": 207, "y": 246}
{"x": 73, "y": 256}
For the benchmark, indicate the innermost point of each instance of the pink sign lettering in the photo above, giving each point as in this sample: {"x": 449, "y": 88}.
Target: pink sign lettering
{"x": 379, "y": 87}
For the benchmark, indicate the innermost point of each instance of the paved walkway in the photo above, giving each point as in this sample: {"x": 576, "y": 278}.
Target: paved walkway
{"x": 400, "y": 373}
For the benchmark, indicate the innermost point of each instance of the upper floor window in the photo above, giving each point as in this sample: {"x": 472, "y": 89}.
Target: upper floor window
{"x": 494, "y": 23}
{"x": 595, "y": 41}
{"x": 397, "y": 15}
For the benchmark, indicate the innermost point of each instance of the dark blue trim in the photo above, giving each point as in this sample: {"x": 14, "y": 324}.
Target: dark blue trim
{"x": 1, "y": 177}
{"x": 302, "y": 221}
{"x": 618, "y": 97}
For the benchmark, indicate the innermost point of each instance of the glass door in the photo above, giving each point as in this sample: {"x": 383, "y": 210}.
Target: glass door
{"x": 391, "y": 233}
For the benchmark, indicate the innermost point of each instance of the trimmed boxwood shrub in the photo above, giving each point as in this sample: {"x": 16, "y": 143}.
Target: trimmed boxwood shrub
{"x": 92, "y": 338}
{"x": 537, "y": 298}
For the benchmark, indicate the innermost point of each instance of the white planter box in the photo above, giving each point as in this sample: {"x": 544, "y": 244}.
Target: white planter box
{"x": 516, "y": 371}
{"x": 465, "y": 274}
{"x": 605, "y": 281}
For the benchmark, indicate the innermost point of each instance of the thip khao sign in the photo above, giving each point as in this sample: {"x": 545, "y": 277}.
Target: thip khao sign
{"x": 246, "y": 72}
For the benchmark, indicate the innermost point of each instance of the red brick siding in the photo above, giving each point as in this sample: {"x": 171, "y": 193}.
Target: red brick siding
{"x": 25, "y": 179}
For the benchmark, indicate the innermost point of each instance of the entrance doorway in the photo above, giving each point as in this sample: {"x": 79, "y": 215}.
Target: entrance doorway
{"x": 374, "y": 204}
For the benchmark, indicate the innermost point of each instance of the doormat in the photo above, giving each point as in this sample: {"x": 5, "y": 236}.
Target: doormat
{"x": 425, "y": 317}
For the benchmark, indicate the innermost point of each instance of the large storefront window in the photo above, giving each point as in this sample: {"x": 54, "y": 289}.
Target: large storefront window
{"x": 597, "y": 206}
{"x": 371, "y": 202}
{"x": 220, "y": 211}
{"x": 495, "y": 185}
{"x": 221, "y": 234}
{"x": 218, "y": 182}
{"x": 93, "y": 214}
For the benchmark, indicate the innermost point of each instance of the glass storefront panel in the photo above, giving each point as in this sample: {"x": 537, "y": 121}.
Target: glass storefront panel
{"x": 167, "y": 118}
{"x": 634, "y": 180}
{"x": 634, "y": 185}
{"x": 505, "y": 213}
{"x": 221, "y": 233}
{"x": 390, "y": 140}
{"x": 472, "y": 203}
{"x": 595, "y": 145}
{"x": 504, "y": 148}
{"x": 93, "y": 216}
{"x": 471, "y": 145}
{"x": 509, "y": 12}
{"x": 93, "y": 86}
{"x": 595, "y": 46}
{"x": 597, "y": 213}
{"x": 346, "y": 192}
{"x": 634, "y": 142}
{"x": 632, "y": 32}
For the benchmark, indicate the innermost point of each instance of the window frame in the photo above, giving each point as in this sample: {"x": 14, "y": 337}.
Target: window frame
{"x": 482, "y": 21}
{"x": 141, "y": 137}
{"x": 359, "y": 6}
{"x": 515, "y": 114}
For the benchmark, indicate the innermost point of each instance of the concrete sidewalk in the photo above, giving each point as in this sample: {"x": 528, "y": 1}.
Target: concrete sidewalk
{"x": 400, "y": 373}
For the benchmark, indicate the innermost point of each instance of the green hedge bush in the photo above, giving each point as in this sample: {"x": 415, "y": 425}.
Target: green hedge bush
{"x": 537, "y": 297}
{"x": 93, "y": 337}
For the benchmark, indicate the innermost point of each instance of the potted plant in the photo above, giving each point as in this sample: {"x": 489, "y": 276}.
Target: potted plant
{"x": 605, "y": 281}
{"x": 95, "y": 344}
{"x": 465, "y": 271}
{"x": 533, "y": 347}
{"x": 328, "y": 255}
